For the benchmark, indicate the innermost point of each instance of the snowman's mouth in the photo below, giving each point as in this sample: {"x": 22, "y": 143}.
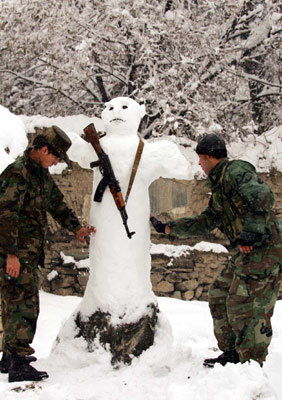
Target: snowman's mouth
{"x": 117, "y": 119}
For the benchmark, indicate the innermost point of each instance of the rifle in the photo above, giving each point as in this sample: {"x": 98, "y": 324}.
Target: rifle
{"x": 109, "y": 178}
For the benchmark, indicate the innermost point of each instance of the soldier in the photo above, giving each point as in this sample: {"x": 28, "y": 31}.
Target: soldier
{"x": 243, "y": 296}
{"x": 27, "y": 193}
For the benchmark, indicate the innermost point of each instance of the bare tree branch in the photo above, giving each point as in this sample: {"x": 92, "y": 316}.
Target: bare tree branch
{"x": 43, "y": 85}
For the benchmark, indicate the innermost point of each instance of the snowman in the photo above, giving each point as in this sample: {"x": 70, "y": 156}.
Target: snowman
{"x": 119, "y": 306}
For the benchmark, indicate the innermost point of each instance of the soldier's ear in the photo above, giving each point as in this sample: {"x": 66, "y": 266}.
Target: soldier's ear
{"x": 44, "y": 150}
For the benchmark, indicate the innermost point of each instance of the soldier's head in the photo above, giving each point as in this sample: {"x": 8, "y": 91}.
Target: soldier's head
{"x": 51, "y": 146}
{"x": 211, "y": 149}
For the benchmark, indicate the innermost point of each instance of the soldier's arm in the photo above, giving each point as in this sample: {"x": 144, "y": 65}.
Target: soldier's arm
{"x": 12, "y": 192}
{"x": 188, "y": 227}
{"x": 200, "y": 225}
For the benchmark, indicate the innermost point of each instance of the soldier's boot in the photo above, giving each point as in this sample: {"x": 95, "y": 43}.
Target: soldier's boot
{"x": 6, "y": 361}
{"x": 224, "y": 358}
{"x": 20, "y": 370}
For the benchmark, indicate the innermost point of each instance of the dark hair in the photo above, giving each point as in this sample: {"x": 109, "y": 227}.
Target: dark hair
{"x": 212, "y": 145}
{"x": 41, "y": 141}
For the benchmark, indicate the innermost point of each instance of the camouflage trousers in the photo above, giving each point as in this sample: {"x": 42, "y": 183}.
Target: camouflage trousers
{"x": 20, "y": 307}
{"x": 242, "y": 301}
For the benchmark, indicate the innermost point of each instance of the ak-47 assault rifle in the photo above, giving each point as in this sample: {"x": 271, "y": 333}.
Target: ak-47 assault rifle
{"x": 109, "y": 178}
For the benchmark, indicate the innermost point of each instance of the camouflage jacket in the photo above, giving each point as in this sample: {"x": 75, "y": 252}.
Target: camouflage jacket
{"x": 240, "y": 202}
{"x": 27, "y": 193}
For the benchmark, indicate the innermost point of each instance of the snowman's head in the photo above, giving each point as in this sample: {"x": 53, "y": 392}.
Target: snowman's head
{"x": 122, "y": 115}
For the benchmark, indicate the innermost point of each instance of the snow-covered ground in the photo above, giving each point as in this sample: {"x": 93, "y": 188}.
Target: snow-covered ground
{"x": 170, "y": 370}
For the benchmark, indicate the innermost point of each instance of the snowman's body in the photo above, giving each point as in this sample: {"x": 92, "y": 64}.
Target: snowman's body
{"x": 119, "y": 281}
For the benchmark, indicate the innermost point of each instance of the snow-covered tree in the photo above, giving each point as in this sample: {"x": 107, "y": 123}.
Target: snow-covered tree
{"x": 198, "y": 65}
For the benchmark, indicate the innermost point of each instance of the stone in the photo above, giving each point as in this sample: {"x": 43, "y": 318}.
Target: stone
{"x": 156, "y": 278}
{"x": 82, "y": 278}
{"x": 207, "y": 279}
{"x": 188, "y": 295}
{"x": 194, "y": 275}
{"x": 160, "y": 260}
{"x": 187, "y": 285}
{"x": 199, "y": 292}
{"x": 173, "y": 277}
{"x": 64, "y": 291}
{"x": 177, "y": 295}
{"x": 164, "y": 287}
{"x": 67, "y": 270}
{"x": 63, "y": 282}
{"x": 183, "y": 275}
{"x": 205, "y": 296}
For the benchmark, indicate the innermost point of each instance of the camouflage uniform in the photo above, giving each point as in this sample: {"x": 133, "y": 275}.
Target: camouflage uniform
{"x": 243, "y": 296}
{"x": 27, "y": 192}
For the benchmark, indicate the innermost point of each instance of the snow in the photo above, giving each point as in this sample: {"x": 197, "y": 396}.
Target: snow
{"x": 170, "y": 370}
{"x": 177, "y": 251}
{"x": 72, "y": 123}
{"x": 264, "y": 151}
{"x": 79, "y": 264}
{"x": 52, "y": 275}
{"x": 172, "y": 367}
{"x": 13, "y": 138}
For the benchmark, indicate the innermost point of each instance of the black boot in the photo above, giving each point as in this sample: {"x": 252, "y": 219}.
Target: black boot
{"x": 20, "y": 370}
{"x": 224, "y": 358}
{"x": 6, "y": 360}
{"x": 5, "y": 363}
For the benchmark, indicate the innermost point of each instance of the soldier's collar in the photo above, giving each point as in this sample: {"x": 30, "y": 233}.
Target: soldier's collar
{"x": 216, "y": 171}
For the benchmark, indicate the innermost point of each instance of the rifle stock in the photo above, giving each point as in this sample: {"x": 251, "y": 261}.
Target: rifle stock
{"x": 109, "y": 178}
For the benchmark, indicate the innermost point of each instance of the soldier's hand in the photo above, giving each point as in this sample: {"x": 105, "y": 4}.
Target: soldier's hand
{"x": 159, "y": 226}
{"x": 245, "y": 249}
{"x": 84, "y": 232}
{"x": 247, "y": 240}
{"x": 13, "y": 266}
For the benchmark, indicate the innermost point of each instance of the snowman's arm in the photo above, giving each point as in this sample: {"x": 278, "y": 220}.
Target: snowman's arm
{"x": 167, "y": 161}
{"x": 81, "y": 151}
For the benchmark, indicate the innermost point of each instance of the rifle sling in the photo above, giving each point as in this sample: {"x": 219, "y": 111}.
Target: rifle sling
{"x": 135, "y": 167}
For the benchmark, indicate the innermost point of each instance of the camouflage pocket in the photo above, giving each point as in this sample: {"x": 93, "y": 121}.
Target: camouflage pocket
{"x": 259, "y": 263}
{"x": 238, "y": 288}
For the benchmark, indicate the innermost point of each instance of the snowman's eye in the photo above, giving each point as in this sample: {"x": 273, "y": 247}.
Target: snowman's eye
{"x": 124, "y": 107}
{"x": 111, "y": 108}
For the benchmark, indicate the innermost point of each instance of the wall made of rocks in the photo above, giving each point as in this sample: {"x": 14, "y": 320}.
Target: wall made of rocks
{"x": 187, "y": 277}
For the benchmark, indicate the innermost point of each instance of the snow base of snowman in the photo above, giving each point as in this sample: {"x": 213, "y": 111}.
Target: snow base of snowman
{"x": 124, "y": 341}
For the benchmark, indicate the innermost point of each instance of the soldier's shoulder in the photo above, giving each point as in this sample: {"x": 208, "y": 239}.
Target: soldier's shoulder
{"x": 17, "y": 168}
{"x": 235, "y": 167}
{"x": 238, "y": 172}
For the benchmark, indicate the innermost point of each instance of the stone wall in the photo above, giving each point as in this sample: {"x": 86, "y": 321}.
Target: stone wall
{"x": 62, "y": 275}
{"x": 170, "y": 277}
{"x": 187, "y": 277}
